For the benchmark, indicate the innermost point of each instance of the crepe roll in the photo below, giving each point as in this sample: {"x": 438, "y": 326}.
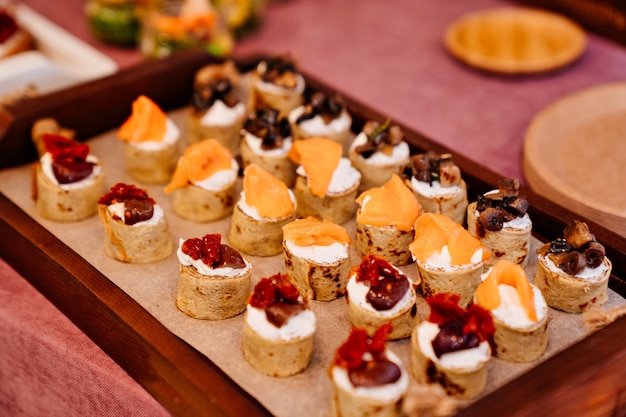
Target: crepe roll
{"x": 214, "y": 279}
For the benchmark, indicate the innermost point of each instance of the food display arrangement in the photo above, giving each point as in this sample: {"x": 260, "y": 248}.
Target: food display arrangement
{"x": 284, "y": 250}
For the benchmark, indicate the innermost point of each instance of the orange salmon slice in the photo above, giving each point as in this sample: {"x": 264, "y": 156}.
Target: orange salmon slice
{"x": 313, "y": 232}
{"x": 147, "y": 122}
{"x": 434, "y": 231}
{"x": 393, "y": 204}
{"x": 199, "y": 162}
{"x": 507, "y": 273}
{"x": 319, "y": 157}
{"x": 269, "y": 195}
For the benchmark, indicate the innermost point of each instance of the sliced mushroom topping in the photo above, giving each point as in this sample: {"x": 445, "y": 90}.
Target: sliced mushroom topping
{"x": 204, "y": 96}
{"x": 594, "y": 254}
{"x": 509, "y": 187}
{"x": 328, "y": 107}
{"x": 568, "y": 253}
{"x": 279, "y": 70}
{"x": 506, "y": 200}
{"x": 380, "y": 138}
{"x": 492, "y": 219}
{"x": 266, "y": 124}
{"x": 449, "y": 173}
{"x": 518, "y": 207}
{"x": 577, "y": 234}
{"x": 431, "y": 166}
{"x": 570, "y": 262}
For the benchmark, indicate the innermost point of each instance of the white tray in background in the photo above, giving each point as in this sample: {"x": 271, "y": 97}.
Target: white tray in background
{"x": 59, "y": 61}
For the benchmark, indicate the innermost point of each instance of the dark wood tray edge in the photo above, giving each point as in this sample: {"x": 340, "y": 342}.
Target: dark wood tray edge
{"x": 183, "y": 380}
{"x": 186, "y": 382}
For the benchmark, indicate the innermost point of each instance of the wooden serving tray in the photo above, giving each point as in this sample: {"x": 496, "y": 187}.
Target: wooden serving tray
{"x": 588, "y": 378}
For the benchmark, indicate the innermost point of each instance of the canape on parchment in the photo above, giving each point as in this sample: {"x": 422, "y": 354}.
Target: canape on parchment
{"x": 151, "y": 142}
{"x": 265, "y": 205}
{"x": 573, "y": 272}
{"x": 204, "y": 184}
{"x": 278, "y": 328}
{"x": 68, "y": 180}
{"x": 519, "y": 312}
{"x": 323, "y": 116}
{"x": 266, "y": 141}
{"x": 317, "y": 257}
{"x": 378, "y": 293}
{"x": 367, "y": 378}
{"x": 449, "y": 259}
{"x": 327, "y": 183}
{"x": 135, "y": 227}
{"x": 378, "y": 152}
{"x": 277, "y": 83}
{"x": 384, "y": 221}
{"x": 451, "y": 347}
{"x": 499, "y": 219}
{"x": 437, "y": 183}
{"x": 214, "y": 279}
{"x": 218, "y": 106}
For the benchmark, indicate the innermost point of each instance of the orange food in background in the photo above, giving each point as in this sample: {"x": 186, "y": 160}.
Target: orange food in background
{"x": 199, "y": 162}
{"x": 147, "y": 122}
{"x": 506, "y": 273}
{"x": 433, "y": 231}
{"x": 392, "y": 204}
{"x": 310, "y": 231}
{"x": 319, "y": 157}
{"x": 269, "y": 195}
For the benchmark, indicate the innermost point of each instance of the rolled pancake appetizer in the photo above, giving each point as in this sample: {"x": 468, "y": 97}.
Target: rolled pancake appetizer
{"x": 384, "y": 222}
{"x": 204, "y": 185}
{"x": 573, "y": 272}
{"x": 378, "y": 152}
{"x": 218, "y": 106}
{"x": 151, "y": 143}
{"x": 448, "y": 258}
{"x": 265, "y": 205}
{"x": 214, "y": 279}
{"x": 135, "y": 227}
{"x": 277, "y": 83}
{"x": 68, "y": 180}
{"x": 519, "y": 312}
{"x": 451, "y": 347}
{"x": 323, "y": 116}
{"x": 378, "y": 293}
{"x": 499, "y": 219}
{"x": 278, "y": 328}
{"x": 266, "y": 141}
{"x": 437, "y": 183}
{"x": 367, "y": 378}
{"x": 317, "y": 258}
{"x": 327, "y": 184}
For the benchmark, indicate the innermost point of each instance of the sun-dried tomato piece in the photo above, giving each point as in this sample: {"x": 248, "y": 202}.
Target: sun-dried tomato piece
{"x": 275, "y": 289}
{"x": 444, "y": 308}
{"x": 350, "y": 355}
{"x": 212, "y": 252}
{"x": 121, "y": 192}
{"x": 62, "y": 148}
{"x": 373, "y": 268}
{"x": 69, "y": 158}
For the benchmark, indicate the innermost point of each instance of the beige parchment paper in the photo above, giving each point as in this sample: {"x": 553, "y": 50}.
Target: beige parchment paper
{"x": 154, "y": 287}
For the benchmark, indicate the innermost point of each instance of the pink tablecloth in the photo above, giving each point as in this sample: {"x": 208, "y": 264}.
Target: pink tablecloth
{"x": 388, "y": 55}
